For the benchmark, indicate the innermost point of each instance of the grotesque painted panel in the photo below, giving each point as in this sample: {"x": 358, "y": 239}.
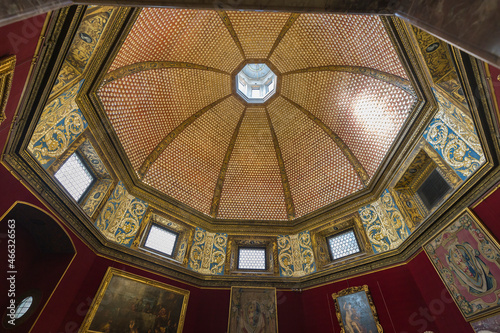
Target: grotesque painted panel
{"x": 295, "y": 254}
{"x": 208, "y": 252}
{"x": 121, "y": 217}
{"x": 384, "y": 223}
{"x": 96, "y": 196}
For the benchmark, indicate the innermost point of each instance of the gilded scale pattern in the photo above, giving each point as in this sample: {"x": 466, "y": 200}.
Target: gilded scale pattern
{"x": 121, "y": 217}
{"x": 161, "y": 36}
{"x": 295, "y": 255}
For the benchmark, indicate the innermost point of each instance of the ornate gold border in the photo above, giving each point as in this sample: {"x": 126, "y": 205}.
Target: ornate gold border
{"x": 7, "y": 67}
{"x": 353, "y": 290}
{"x": 482, "y": 227}
{"x": 110, "y": 273}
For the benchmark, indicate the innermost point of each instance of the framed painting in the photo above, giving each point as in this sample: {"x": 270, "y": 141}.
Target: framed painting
{"x": 355, "y": 311}
{"x": 487, "y": 325}
{"x": 467, "y": 259}
{"x": 129, "y": 303}
{"x": 252, "y": 310}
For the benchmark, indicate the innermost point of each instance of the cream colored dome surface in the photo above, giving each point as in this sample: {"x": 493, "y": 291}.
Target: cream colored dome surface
{"x": 342, "y": 98}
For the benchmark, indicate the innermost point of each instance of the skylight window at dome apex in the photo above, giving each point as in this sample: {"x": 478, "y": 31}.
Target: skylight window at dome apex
{"x": 256, "y": 83}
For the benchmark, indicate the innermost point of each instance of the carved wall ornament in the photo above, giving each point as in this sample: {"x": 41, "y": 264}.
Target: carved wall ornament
{"x": 7, "y": 66}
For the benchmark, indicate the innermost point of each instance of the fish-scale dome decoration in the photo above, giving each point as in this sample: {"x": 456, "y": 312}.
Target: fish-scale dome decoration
{"x": 340, "y": 96}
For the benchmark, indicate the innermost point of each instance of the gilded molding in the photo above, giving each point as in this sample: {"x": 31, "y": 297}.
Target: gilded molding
{"x": 290, "y": 207}
{"x": 439, "y": 64}
{"x": 214, "y": 207}
{"x": 87, "y": 39}
{"x": 7, "y": 66}
{"x": 172, "y": 135}
{"x": 232, "y": 257}
{"x": 288, "y": 24}
{"x": 152, "y": 65}
{"x": 395, "y": 80}
{"x": 360, "y": 170}
{"x": 227, "y": 22}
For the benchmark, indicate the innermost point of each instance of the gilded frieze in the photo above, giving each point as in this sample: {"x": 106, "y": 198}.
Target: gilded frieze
{"x": 84, "y": 43}
{"x": 93, "y": 159}
{"x": 438, "y": 60}
{"x": 460, "y": 122}
{"x": 54, "y": 111}
{"x": 121, "y": 217}
{"x": 96, "y": 196}
{"x": 455, "y": 151}
{"x": 208, "y": 252}
{"x": 384, "y": 223}
{"x": 58, "y": 138}
{"x": 295, "y": 255}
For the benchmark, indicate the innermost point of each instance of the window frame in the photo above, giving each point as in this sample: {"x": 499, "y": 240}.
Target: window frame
{"x": 344, "y": 231}
{"x": 89, "y": 170}
{"x": 243, "y": 247}
{"x": 150, "y": 249}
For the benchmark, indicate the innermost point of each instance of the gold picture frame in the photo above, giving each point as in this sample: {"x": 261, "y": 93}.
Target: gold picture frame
{"x": 466, "y": 257}
{"x": 125, "y": 301}
{"x": 355, "y": 309}
{"x": 7, "y": 66}
{"x": 253, "y": 309}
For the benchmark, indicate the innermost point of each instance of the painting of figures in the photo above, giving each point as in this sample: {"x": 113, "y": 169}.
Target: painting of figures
{"x": 252, "y": 310}
{"x": 467, "y": 258}
{"x": 355, "y": 311}
{"x": 133, "y": 304}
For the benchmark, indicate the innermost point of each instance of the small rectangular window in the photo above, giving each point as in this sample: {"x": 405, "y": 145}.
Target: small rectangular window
{"x": 252, "y": 258}
{"x": 433, "y": 189}
{"x": 343, "y": 244}
{"x": 161, "y": 239}
{"x": 75, "y": 176}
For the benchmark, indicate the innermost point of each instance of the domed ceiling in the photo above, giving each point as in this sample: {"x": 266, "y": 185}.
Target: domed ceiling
{"x": 342, "y": 96}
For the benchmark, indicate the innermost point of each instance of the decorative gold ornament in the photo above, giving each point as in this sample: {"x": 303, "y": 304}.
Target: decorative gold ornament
{"x": 7, "y": 66}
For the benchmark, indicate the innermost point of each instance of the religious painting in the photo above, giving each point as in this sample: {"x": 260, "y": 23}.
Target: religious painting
{"x": 253, "y": 310}
{"x": 487, "y": 325}
{"x": 355, "y": 311}
{"x": 467, "y": 258}
{"x": 129, "y": 303}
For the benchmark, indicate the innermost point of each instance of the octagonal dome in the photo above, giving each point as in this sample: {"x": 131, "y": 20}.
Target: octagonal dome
{"x": 343, "y": 97}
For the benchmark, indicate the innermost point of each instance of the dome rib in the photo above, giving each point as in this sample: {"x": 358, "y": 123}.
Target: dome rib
{"x": 214, "y": 207}
{"x": 172, "y": 135}
{"x": 227, "y": 22}
{"x": 393, "y": 79}
{"x": 290, "y": 207}
{"x": 151, "y": 65}
{"x": 357, "y": 166}
{"x": 291, "y": 20}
